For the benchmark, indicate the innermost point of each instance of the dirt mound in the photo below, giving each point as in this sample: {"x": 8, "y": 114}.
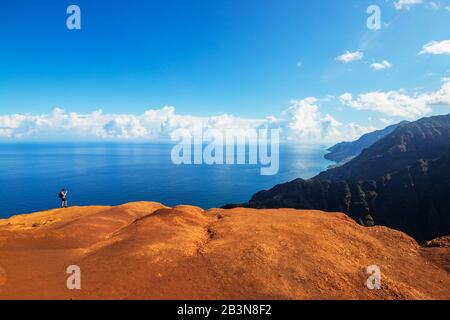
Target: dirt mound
{"x": 148, "y": 251}
{"x": 443, "y": 242}
{"x": 438, "y": 252}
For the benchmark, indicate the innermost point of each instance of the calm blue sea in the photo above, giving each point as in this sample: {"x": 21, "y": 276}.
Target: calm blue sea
{"x": 32, "y": 174}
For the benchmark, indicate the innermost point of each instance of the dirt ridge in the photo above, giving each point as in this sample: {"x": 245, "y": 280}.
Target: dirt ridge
{"x": 145, "y": 250}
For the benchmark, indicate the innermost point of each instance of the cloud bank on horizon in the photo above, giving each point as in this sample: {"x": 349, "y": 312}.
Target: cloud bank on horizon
{"x": 302, "y": 122}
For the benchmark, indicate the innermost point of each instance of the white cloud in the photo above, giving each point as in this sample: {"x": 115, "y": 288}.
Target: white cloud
{"x": 302, "y": 122}
{"x": 392, "y": 103}
{"x": 406, "y": 4}
{"x": 437, "y": 5}
{"x": 381, "y": 65}
{"x": 386, "y": 121}
{"x": 433, "y": 5}
{"x": 398, "y": 103}
{"x": 157, "y": 124}
{"x": 350, "y": 56}
{"x": 445, "y": 79}
{"x": 346, "y": 97}
{"x": 429, "y": 4}
{"x": 442, "y": 96}
{"x": 435, "y": 47}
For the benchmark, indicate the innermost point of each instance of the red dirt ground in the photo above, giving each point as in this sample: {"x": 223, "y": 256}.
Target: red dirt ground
{"x": 148, "y": 251}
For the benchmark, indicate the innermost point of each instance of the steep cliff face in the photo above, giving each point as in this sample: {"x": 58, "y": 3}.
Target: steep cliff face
{"x": 402, "y": 181}
{"x": 413, "y": 200}
{"x": 323, "y": 195}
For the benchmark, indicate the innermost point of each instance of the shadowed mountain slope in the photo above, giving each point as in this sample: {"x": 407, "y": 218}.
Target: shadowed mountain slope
{"x": 343, "y": 152}
{"x": 402, "y": 181}
{"x": 425, "y": 139}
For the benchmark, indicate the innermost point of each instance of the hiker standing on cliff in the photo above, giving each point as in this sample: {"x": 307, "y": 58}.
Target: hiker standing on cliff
{"x": 63, "y": 197}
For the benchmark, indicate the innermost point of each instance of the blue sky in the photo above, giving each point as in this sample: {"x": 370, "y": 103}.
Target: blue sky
{"x": 246, "y": 58}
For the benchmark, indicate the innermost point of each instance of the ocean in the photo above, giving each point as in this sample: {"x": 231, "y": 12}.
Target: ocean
{"x": 32, "y": 174}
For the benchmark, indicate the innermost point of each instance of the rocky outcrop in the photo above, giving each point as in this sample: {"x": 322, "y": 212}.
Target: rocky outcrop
{"x": 149, "y": 251}
{"x": 443, "y": 242}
